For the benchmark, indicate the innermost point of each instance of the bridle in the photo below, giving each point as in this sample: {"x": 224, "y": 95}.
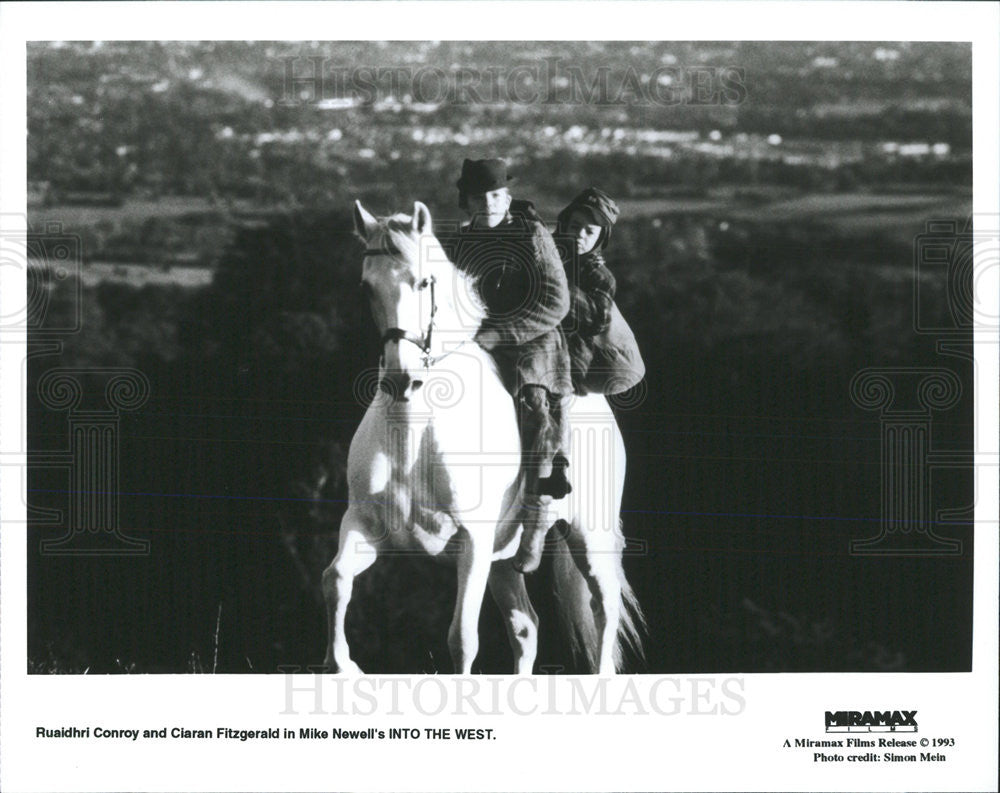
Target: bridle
{"x": 423, "y": 340}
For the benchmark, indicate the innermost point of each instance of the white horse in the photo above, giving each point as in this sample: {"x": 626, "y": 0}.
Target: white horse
{"x": 434, "y": 467}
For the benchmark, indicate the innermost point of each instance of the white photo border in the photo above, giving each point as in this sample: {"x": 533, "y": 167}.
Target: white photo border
{"x": 685, "y": 751}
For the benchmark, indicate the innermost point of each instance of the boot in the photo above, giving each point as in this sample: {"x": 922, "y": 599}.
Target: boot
{"x": 556, "y": 484}
{"x": 536, "y": 523}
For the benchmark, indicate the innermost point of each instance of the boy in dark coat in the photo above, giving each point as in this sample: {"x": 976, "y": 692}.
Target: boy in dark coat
{"x": 520, "y": 278}
{"x": 584, "y": 228}
{"x": 604, "y": 357}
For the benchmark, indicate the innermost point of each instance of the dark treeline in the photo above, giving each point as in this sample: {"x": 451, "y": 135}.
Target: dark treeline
{"x": 750, "y": 469}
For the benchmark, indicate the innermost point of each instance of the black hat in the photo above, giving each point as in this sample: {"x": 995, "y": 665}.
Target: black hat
{"x": 482, "y": 176}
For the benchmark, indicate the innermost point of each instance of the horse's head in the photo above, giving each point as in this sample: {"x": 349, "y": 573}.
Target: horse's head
{"x": 408, "y": 280}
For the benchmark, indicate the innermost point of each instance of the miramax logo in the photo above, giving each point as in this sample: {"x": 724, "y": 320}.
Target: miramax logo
{"x": 871, "y": 721}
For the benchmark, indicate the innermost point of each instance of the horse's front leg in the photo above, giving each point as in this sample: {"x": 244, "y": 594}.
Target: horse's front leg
{"x": 511, "y": 596}
{"x": 356, "y": 554}
{"x": 474, "y": 558}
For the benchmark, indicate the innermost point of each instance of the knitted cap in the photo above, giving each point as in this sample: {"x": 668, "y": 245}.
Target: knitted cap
{"x": 597, "y": 205}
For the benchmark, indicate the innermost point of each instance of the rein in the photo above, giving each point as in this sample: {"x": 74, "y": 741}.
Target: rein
{"x": 422, "y": 340}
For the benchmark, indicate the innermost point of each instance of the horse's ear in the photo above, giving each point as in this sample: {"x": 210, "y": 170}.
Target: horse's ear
{"x": 364, "y": 221}
{"x": 421, "y": 218}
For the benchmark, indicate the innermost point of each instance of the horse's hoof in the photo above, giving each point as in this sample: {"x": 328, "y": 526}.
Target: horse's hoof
{"x": 348, "y": 669}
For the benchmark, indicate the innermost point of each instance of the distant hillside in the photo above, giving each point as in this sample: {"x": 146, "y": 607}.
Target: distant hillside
{"x": 298, "y": 123}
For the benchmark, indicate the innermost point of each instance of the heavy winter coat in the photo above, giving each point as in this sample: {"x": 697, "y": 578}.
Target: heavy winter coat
{"x": 522, "y": 283}
{"x": 604, "y": 356}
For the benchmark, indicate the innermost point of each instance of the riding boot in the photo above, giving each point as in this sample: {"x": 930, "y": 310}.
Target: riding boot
{"x": 556, "y": 484}
{"x": 536, "y": 521}
{"x": 538, "y": 443}
{"x": 537, "y": 436}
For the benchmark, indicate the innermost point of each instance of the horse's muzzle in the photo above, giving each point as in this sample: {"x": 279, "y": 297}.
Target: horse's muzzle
{"x": 398, "y": 385}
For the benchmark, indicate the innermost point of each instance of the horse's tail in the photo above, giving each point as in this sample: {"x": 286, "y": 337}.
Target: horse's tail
{"x": 572, "y": 596}
{"x": 631, "y": 625}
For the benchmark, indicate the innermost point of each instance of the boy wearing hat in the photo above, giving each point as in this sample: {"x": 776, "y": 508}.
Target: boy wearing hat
{"x": 520, "y": 278}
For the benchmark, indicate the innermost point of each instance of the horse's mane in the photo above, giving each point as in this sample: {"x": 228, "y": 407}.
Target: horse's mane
{"x": 396, "y": 232}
